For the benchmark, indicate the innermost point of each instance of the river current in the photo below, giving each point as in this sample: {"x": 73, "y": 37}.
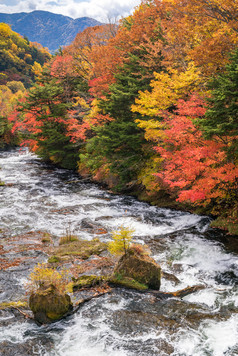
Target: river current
{"x": 125, "y": 323}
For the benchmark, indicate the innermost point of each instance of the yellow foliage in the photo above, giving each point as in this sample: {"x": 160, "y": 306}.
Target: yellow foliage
{"x": 147, "y": 176}
{"x": 121, "y": 241}
{"x": 36, "y": 69}
{"x": 167, "y": 88}
{"x": 79, "y": 101}
{"x": 153, "y": 129}
{"x": 5, "y": 30}
{"x": 45, "y": 276}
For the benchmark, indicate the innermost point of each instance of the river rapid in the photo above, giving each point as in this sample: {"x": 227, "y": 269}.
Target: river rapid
{"x": 39, "y": 197}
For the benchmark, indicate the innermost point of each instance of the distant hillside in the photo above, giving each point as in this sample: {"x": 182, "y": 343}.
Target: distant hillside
{"x": 20, "y": 60}
{"x": 48, "y": 29}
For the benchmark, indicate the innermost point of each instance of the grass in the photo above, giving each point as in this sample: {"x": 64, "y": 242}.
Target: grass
{"x": 67, "y": 239}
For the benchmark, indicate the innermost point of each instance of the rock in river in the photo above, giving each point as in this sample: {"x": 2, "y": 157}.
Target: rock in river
{"x": 49, "y": 305}
{"x": 140, "y": 268}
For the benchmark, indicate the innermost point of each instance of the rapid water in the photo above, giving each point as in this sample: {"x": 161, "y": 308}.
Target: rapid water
{"x": 124, "y": 323}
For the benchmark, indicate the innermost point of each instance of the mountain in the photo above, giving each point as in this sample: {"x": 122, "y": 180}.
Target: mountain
{"x": 48, "y": 29}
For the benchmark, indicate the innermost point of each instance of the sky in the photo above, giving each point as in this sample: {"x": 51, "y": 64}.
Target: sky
{"x": 101, "y": 10}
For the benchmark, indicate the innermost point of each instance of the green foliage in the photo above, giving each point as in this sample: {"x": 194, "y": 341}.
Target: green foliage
{"x": 121, "y": 141}
{"x": 121, "y": 241}
{"x": 221, "y": 117}
{"x": 49, "y": 105}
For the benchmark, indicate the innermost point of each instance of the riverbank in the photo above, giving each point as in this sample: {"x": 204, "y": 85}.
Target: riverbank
{"x": 226, "y": 221}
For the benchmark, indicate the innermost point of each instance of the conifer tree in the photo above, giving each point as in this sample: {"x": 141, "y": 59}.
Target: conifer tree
{"x": 121, "y": 140}
{"x": 221, "y": 118}
{"x": 49, "y": 106}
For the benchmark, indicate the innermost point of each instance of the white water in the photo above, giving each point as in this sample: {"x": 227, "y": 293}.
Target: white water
{"x": 53, "y": 200}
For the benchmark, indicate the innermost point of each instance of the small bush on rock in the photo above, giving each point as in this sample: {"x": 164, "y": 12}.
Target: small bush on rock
{"x": 43, "y": 276}
{"x": 121, "y": 241}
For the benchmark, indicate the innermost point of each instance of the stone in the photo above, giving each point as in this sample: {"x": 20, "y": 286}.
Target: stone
{"x": 49, "y": 305}
{"x": 141, "y": 268}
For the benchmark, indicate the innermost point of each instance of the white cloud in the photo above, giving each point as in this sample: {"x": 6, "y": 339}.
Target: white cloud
{"x": 99, "y": 9}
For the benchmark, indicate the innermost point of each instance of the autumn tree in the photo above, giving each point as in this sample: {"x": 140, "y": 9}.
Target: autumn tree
{"x": 46, "y": 116}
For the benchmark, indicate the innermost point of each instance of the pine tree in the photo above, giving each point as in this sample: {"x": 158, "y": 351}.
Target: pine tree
{"x": 221, "y": 118}
{"x": 48, "y": 104}
{"x": 121, "y": 141}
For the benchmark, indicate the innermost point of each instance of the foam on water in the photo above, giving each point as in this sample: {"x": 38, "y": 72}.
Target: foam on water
{"x": 212, "y": 338}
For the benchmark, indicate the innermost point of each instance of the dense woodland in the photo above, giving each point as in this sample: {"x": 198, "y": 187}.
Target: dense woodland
{"x": 147, "y": 107}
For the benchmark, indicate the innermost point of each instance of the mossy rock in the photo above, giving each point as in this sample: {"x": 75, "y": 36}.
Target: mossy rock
{"x": 49, "y": 305}
{"x": 87, "y": 281}
{"x": 126, "y": 282}
{"x": 142, "y": 269}
{"x": 81, "y": 248}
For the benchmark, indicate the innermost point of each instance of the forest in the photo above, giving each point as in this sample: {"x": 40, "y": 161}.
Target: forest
{"x": 147, "y": 107}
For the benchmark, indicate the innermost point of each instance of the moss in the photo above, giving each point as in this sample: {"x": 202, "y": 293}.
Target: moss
{"x": 225, "y": 224}
{"x": 81, "y": 248}
{"x": 54, "y": 259}
{"x": 87, "y": 281}
{"x": 18, "y": 304}
{"x": 49, "y": 305}
{"x": 46, "y": 238}
{"x": 2, "y": 183}
{"x": 142, "y": 269}
{"x": 127, "y": 282}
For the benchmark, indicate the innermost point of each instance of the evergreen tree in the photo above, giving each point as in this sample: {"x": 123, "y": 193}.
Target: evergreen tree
{"x": 221, "y": 118}
{"x": 48, "y": 102}
{"x": 121, "y": 141}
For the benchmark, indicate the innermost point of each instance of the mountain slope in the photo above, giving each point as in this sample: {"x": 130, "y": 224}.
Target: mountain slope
{"x": 50, "y": 30}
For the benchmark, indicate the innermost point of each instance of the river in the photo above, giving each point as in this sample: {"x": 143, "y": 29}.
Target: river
{"x": 39, "y": 197}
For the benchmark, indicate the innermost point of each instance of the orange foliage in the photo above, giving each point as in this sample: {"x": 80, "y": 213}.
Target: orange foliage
{"x": 197, "y": 169}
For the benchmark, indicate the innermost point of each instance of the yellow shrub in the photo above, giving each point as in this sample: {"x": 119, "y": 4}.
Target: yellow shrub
{"x": 43, "y": 276}
{"x": 121, "y": 241}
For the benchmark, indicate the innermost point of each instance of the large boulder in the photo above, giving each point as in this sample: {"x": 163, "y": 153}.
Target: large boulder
{"x": 49, "y": 305}
{"x": 140, "y": 268}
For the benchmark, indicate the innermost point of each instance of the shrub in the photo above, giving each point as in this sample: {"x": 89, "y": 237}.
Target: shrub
{"x": 68, "y": 237}
{"x": 43, "y": 276}
{"x": 121, "y": 241}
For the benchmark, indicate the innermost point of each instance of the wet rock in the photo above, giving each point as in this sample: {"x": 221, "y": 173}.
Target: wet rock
{"x": 170, "y": 277}
{"x": 142, "y": 269}
{"x": 95, "y": 228}
{"x": 49, "y": 305}
{"x": 27, "y": 348}
{"x": 227, "y": 278}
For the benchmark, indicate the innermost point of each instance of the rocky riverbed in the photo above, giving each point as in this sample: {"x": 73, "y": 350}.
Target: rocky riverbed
{"x": 40, "y": 203}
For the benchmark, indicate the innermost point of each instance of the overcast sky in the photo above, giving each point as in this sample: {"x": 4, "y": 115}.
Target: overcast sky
{"x": 98, "y": 9}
